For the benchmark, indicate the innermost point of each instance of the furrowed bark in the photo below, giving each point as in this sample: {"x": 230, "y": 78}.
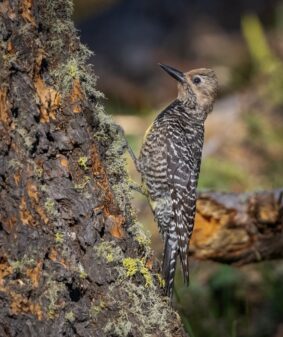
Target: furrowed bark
{"x": 73, "y": 262}
{"x": 239, "y": 228}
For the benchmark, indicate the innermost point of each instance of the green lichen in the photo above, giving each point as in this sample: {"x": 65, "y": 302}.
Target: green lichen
{"x": 80, "y": 269}
{"x": 132, "y": 266}
{"x": 15, "y": 164}
{"x": 70, "y": 316}
{"x": 161, "y": 280}
{"x": 82, "y": 184}
{"x": 59, "y": 237}
{"x": 96, "y": 309}
{"x": 142, "y": 237}
{"x": 82, "y": 161}
{"x": 50, "y": 207}
{"x": 149, "y": 314}
{"x": 23, "y": 263}
{"x": 119, "y": 327}
{"x": 53, "y": 291}
{"x": 38, "y": 171}
{"x": 27, "y": 139}
{"x": 109, "y": 251}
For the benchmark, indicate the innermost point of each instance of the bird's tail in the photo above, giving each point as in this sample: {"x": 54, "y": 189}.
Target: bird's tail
{"x": 185, "y": 262}
{"x": 169, "y": 263}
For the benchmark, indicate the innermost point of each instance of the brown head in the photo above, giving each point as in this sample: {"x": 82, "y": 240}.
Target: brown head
{"x": 197, "y": 88}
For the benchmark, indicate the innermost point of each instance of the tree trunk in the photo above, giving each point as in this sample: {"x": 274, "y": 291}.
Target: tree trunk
{"x": 73, "y": 261}
{"x": 239, "y": 228}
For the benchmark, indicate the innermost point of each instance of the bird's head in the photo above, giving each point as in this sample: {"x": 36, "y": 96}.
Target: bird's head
{"x": 196, "y": 87}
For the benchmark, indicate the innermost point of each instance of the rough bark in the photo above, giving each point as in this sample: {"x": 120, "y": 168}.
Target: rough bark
{"x": 73, "y": 262}
{"x": 239, "y": 228}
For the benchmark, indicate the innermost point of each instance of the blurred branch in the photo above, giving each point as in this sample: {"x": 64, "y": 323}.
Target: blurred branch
{"x": 239, "y": 228}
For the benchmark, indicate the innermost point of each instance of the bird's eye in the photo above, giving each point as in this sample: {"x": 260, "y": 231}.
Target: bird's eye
{"x": 196, "y": 80}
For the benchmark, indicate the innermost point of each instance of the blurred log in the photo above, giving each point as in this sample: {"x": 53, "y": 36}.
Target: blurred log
{"x": 239, "y": 228}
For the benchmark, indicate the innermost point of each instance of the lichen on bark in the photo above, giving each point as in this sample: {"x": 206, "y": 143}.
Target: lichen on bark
{"x": 66, "y": 222}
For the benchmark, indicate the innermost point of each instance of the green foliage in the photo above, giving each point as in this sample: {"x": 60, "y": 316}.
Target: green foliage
{"x": 263, "y": 59}
{"x": 222, "y": 174}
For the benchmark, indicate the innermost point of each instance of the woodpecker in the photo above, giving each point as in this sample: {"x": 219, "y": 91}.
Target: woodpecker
{"x": 169, "y": 164}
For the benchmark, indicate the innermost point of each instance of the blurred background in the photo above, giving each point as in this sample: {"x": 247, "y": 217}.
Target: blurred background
{"x": 243, "y": 42}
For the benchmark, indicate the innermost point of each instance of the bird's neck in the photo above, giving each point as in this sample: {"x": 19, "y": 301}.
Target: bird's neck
{"x": 191, "y": 112}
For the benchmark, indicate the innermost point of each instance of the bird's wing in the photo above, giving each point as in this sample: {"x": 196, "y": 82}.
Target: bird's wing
{"x": 182, "y": 172}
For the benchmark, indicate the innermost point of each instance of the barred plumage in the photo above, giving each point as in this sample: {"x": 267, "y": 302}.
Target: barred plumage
{"x": 169, "y": 163}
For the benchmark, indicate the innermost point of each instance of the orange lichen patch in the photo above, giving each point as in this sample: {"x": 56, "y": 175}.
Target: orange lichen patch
{"x": 6, "y": 9}
{"x": 53, "y": 254}
{"x": 34, "y": 274}
{"x": 27, "y": 11}
{"x": 4, "y": 106}
{"x": 109, "y": 209}
{"x": 76, "y": 96}
{"x": 26, "y": 216}
{"x": 64, "y": 162}
{"x": 10, "y": 47}
{"x": 33, "y": 195}
{"x": 17, "y": 178}
{"x": 101, "y": 179}
{"x": 5, "y": 270}
{"x": 41, "y": 212}
{"x": 49, "y": 100}
{"x": 32, "y": 191}
{"x": 115, "y": 226}
{"x": 9, "y": 224}
{"x": 22, "y": 305}
{"x": 149, "y": 263}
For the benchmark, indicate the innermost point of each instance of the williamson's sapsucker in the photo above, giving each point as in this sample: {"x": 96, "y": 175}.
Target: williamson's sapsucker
{"x": 170, "y": 160}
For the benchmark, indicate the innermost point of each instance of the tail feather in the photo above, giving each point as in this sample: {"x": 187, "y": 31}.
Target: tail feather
{"x": 184, "y": 257}
{"x": 169, "y": 264}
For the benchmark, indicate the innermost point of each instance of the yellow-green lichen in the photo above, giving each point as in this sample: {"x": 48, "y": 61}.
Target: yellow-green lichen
{"x": 59, "y": 237}
{"x": 150, "y": 313}
{"x": 50, "y": 207}
{"x": 70, "y": 316}
{"x": 121, "y": 326}
{"x": 161, "y": 280}
{"x": 109, "y": 251}
{"x": 23, "y": 263}
{"x": 82, "y": 184}
{"x": 132, "y": 266}
{"x": 95, "y": 309}
{"x": 142, "y": 239}
{"x": 82, "y": 161}
{"x": 38, "y": 172}
{"x": 79, "y": 268}
{"x": 54, "y": 291}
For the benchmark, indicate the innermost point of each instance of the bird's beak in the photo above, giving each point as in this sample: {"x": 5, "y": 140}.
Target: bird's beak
{"x": 178, "y": 75}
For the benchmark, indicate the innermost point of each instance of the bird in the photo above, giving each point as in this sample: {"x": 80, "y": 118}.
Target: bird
{"x": 169, "y": 164}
